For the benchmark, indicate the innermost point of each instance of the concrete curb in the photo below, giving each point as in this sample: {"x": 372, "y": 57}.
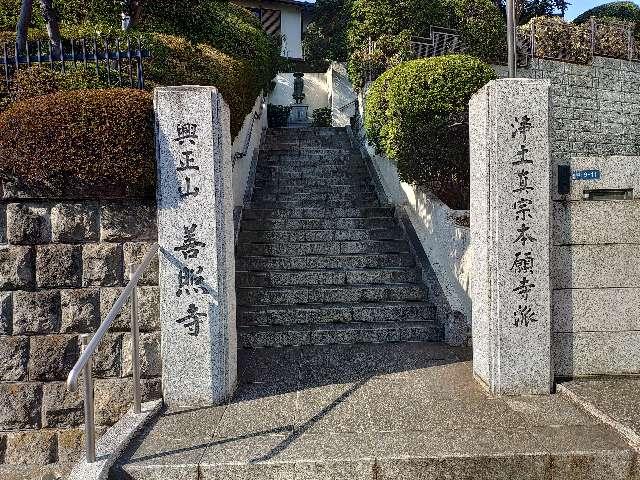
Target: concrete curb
{"x": 113, "y": 443}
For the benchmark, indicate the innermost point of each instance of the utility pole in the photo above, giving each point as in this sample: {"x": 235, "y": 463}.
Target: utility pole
{"x": 511, "y": 47}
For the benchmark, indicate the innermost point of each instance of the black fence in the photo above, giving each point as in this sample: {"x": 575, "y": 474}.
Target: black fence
{"x": 118, "y": 63}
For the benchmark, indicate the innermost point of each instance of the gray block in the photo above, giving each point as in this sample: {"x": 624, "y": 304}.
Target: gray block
{"x": 20, "y": 406}
{"x": 134, "y": 252}
{"x": 75, "y": 222}
{"x": 36, "y": 312}
{"x": 60, "y": 407}
{"x": 28, "y": 223}
{"x": 108, "y": 357}
{"x": 17, "y": 269}
{"x": 418, "y": 312}
{"x": 6, "y": 313}
{"x": 14, "y": 356}
{"x": 596, "y": 353}
{"x": 58, "y": 266}
{"x": 148, "y": 308}
{"x": 80, "y": 310}
{"x": 126, "y": 222}
{"x": 150, "y": 358}
{"x": 596, "y": 310}
{"x": 102, "y": 265}
{"x": 52, "y": 357}
{"x": 596, "y": 266}
{"x": 31, "y": 448}
{"x": 113, "y": 397}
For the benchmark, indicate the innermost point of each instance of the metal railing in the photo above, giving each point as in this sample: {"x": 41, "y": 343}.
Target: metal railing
{"x": 442, "y": 41}
{"x": 247, "y": 140}
{"x": 116, "y": 62}
{"x": 90, "y": 344}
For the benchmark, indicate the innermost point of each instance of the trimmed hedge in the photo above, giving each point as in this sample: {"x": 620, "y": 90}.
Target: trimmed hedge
{"x": 627, "y": 11}
{"x": 176, "y": 61}
{"x": 88, "y": 143}
{"x": 417, "y": 116}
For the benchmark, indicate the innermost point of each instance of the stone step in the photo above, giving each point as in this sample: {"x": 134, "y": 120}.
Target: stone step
{"x": 301, "y": 148}
{"x": 353, "y": 189}
{"x": 343, "y": 224}
{"x": 298, "y": 171}
{"x": 254, "y": 296}
{"x": 336, "y": 334}
{"x": 327, "y": 203}
{"x": 322, "y": 248}
{"x": 297, "y": 235}
{"x": 337, "y": 313}
{"x": 313, "y": 157}
{"x": 304, "y": 183}
{"x": 330, "y": 176}
{"x": 310, "y": 161}
{"x": 344, "y": 262}
{"x": 366, "y": 212}
{"x": 298, "y": 196}
{"x": 250, "y": 278}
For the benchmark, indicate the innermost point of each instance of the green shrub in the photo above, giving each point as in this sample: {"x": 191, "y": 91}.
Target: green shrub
{"x": 89, "y": 143}
{"x": 176, "y": 61}
{"x": 627, "y": 11}
{"x": 321, "y": 117}
{"x": 416, "y": 114}
{"x": 482, "y": 28}
{"x": 278, "y": 115}
{"x": 390, "y": 25}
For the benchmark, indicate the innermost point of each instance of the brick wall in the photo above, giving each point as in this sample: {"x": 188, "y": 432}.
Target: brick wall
{"x": 62, "y": 266}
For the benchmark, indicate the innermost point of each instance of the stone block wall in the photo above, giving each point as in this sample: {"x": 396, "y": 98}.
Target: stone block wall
{"x": 595, "y": 107}
{"x": 63, "y": 264}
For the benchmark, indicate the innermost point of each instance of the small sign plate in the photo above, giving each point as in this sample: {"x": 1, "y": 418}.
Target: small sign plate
{"x": 586, "y": 175}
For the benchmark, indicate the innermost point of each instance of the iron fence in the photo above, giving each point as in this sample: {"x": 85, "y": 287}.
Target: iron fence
{"x": 578, "y": 43}
{"x": 118, "y": 63}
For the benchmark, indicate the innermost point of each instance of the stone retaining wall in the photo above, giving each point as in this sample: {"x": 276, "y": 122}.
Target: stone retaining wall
{"x": 62, "y": 266}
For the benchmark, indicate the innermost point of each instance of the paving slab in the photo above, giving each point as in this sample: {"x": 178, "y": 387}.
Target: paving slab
{"x": 406, "y": 411}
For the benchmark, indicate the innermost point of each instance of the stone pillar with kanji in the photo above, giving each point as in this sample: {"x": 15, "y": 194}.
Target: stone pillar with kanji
{"x": 195, "y": 232}
{"x": 510, "y": 235}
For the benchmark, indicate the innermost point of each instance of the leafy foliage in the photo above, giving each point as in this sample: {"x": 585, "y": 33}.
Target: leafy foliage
{"x": 528, "y": 9}
{"x": 416, "y": 114}
{"x": 627, "y": 11}
{"x": 571, "y": 42}
{"x": 326, "y": 36}
{"x": 391, "y": 24}
{"x": 88, "y": 143}
{"x": 278, "y": 115}
{"x": 321, "y": 117}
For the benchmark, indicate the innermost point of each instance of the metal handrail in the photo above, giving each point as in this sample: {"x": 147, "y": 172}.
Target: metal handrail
{"x": 89, "y": 347}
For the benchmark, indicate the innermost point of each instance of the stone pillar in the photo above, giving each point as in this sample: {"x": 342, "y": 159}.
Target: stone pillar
{"x": 195, "y": 233}
{"x": 510, "y": 235}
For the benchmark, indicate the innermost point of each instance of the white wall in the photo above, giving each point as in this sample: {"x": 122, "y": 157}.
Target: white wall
{"x": 242, "y": 165}
{"x": 315, "y": 89}
{"x": 445, "y": 241}
{"x": 341, "y": 93}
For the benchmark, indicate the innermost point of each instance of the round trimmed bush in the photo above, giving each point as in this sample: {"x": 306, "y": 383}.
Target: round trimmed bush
{"x": 417, "y": 116}
{"x": 85, "y": 143}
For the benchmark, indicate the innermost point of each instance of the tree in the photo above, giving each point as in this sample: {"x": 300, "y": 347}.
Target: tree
{"x": 528, "y": 9}
{"x": 50, "y": 17}
{"x": 326, "y": 35}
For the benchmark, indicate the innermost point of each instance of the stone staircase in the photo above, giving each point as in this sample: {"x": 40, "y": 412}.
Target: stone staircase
{"x": 319, "y": 259}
